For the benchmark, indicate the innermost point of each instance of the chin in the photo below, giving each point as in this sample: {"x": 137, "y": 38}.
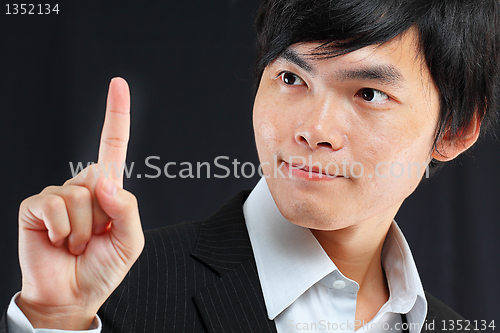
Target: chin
{"x": 312, "y": 214}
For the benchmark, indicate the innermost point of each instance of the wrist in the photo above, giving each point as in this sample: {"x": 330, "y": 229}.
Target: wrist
{"x": 56, "y": 317}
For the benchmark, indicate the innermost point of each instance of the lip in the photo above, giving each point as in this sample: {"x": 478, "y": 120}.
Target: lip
{"x": 299, "y": 170}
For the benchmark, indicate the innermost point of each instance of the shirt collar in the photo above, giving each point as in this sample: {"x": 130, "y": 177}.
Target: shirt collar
{"x": 406, "y": 290}
{"x": 298, "y": 261}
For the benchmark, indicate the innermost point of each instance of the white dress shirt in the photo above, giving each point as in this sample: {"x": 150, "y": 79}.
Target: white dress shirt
{"x": 303, "y": 289}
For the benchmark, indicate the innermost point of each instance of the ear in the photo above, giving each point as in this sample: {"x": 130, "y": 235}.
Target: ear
{"x": 448, "y": 147}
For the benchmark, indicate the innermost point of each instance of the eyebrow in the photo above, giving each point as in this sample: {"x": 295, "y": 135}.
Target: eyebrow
{"x": 383, "y": 74}
{"x": 295, "y": 58}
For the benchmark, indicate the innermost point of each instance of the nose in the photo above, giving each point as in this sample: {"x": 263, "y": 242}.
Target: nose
{"x": 322, "y": 126}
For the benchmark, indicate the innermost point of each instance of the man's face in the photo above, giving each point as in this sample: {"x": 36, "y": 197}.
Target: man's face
{"x": 362, "y": 118}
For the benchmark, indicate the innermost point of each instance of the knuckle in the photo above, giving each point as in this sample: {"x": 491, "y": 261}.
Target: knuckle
{"x": 25, "y": 204}
{"x": 81, "y": 235}
{"x": 78, "y": 195}
{"x": 133, "y": 200}
{"x": 115, "y": 142}
{"x": 50, "y": 189}
{"x": 119, "y": 112}
{"x": 62, "y": 230}
{"x": 53, "y": 203}
{"x": 27, "y": 201}
{"x": 130, "y": 200}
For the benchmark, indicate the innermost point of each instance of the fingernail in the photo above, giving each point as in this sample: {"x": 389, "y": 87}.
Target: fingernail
{"x": 109, "y": 187}
{"x": 80, "y": 249}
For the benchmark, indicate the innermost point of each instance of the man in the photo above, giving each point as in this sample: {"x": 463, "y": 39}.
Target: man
{"x": 348, "y": 95}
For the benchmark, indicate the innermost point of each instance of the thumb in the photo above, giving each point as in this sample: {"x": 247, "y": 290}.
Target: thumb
{"x": 121, "y": 206}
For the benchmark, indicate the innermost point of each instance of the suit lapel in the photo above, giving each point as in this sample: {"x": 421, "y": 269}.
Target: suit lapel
{"x": 235, "y": 302}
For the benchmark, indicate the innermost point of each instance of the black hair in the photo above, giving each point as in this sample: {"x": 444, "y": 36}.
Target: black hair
{"x": 459, "y": 40}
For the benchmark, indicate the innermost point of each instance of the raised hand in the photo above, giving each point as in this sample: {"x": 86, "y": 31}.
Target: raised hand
{"x": 78, "y": 241}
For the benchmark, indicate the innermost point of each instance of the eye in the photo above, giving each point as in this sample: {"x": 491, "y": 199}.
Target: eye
{"x": 372, "y": 95}
{"x": 291, "y": 79}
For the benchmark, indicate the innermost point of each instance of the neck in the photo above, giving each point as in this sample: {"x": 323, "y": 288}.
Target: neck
{"x": 356, "y": 251}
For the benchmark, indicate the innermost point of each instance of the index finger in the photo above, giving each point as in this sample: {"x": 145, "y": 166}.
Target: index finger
{"x": 116, "y": 130}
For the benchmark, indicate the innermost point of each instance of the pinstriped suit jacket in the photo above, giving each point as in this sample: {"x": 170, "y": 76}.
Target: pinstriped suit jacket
{"x": 202, "y": 277}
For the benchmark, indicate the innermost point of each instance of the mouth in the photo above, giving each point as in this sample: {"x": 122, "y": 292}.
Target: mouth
{"x": 313, "y": 172}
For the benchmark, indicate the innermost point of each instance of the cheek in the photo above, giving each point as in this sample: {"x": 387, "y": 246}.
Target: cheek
{"x": 370, "y": 140}
{"x": 267, "y": 137}
{"x": 265, "y": 128}
{"x": 395, "y": 155}
{"x": 268, "y": 122}
{"x": 420, "y": 128}
{"x": 415, "y": 143}
{"x": 400, "y": 140}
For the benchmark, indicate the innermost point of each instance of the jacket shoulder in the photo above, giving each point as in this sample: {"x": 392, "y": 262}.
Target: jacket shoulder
{"x": 172, "y": 238}
{"x": 439, "y": 310}
{"x": 441, "y": 318}
{"x": 181, "y": 239}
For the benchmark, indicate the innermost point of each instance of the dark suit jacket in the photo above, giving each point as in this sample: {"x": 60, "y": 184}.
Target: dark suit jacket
{"x": 202, "y": 277}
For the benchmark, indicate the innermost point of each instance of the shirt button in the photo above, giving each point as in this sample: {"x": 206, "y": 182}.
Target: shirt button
{"x": 339, "y": 284}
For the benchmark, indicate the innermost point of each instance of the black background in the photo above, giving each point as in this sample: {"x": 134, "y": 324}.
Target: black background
{"x": 189, "y": 67}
